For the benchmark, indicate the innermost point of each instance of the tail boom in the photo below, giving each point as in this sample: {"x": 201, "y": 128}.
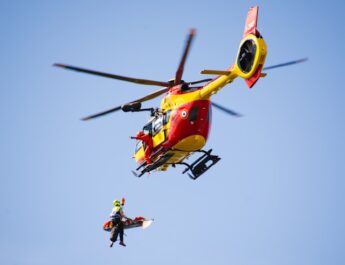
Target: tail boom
{"x": 249, "y": 62}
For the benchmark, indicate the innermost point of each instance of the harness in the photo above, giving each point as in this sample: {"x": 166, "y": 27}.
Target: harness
{"x": 116, "y": 215}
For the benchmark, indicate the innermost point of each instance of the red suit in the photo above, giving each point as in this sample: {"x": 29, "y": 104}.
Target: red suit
{"x": 149, "y": 145}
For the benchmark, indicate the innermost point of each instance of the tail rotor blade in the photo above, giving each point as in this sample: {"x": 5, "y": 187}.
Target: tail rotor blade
{"x": 285, "y": 64}
{"x": 226, "y": 110}
{"x": 179, "y": 72}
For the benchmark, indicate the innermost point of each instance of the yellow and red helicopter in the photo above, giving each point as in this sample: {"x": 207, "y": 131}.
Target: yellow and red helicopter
{"x": 181, "y": 125}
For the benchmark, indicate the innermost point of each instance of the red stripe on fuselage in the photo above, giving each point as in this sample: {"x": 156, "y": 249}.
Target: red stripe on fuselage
{"x": 189, "y": 119}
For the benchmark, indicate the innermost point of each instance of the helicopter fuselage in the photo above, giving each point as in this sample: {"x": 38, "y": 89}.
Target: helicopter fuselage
{"x": 183, "y": 123}
{"x": 181, "y": 127}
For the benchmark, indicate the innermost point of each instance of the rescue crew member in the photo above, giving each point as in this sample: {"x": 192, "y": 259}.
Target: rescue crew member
{"x": 116, "y": 216}
{"x": 146, "y": 138}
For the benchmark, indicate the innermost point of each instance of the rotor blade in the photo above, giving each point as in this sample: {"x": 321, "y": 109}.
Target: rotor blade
{"x": 101, "y": 113}
{"x": 145, "y": 98}
{"x": 152, "y": 95}
{"x": 118, "y": 77}
{"x": 200, "y": 81}
{"x": 285, "y": 64}
{"x": 226, "y": 110}
{"x": 179, "y": 72}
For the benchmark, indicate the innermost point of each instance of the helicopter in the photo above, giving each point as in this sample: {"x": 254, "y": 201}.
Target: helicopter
{"x": 181, "y": 125}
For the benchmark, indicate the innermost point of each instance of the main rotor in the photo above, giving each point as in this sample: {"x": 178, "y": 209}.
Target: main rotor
{"x": 135, "y": 105}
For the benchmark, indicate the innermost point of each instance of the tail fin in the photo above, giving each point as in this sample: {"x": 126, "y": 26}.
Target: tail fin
{"x": 251, "y": 21}
{"x": 252, "y": 52}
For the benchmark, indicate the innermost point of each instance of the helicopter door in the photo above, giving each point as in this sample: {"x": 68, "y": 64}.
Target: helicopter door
{"x": 158, "y": 135}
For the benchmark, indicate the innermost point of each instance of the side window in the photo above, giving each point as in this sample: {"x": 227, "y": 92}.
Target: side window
{"x": 209, "y": 114}
{"x": 148, "y": 129}
{"x": 193, "y": 115}
{"x": 157, "y": 125}
{"x": 166, "y": 117}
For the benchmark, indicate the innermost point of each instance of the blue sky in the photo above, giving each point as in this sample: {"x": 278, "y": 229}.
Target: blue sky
{"x": 277, "y": 195}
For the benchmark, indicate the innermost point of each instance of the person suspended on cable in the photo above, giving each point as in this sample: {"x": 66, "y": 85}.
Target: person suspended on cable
{"x": 117, "y": 215}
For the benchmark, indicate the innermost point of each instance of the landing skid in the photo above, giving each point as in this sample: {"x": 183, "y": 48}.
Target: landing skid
{"x": 196, "y": 169}
{"x": 148, "y": 168}
{"x": 201, "y": 165}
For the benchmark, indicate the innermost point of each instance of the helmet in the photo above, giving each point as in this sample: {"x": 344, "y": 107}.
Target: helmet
{"x": 116, "y": 203}
{"x": 140, "y": 133}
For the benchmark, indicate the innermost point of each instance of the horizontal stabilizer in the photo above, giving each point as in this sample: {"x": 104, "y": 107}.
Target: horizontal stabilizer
{"x": 255, "y": 77}
{"x": 215, "y": 72}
